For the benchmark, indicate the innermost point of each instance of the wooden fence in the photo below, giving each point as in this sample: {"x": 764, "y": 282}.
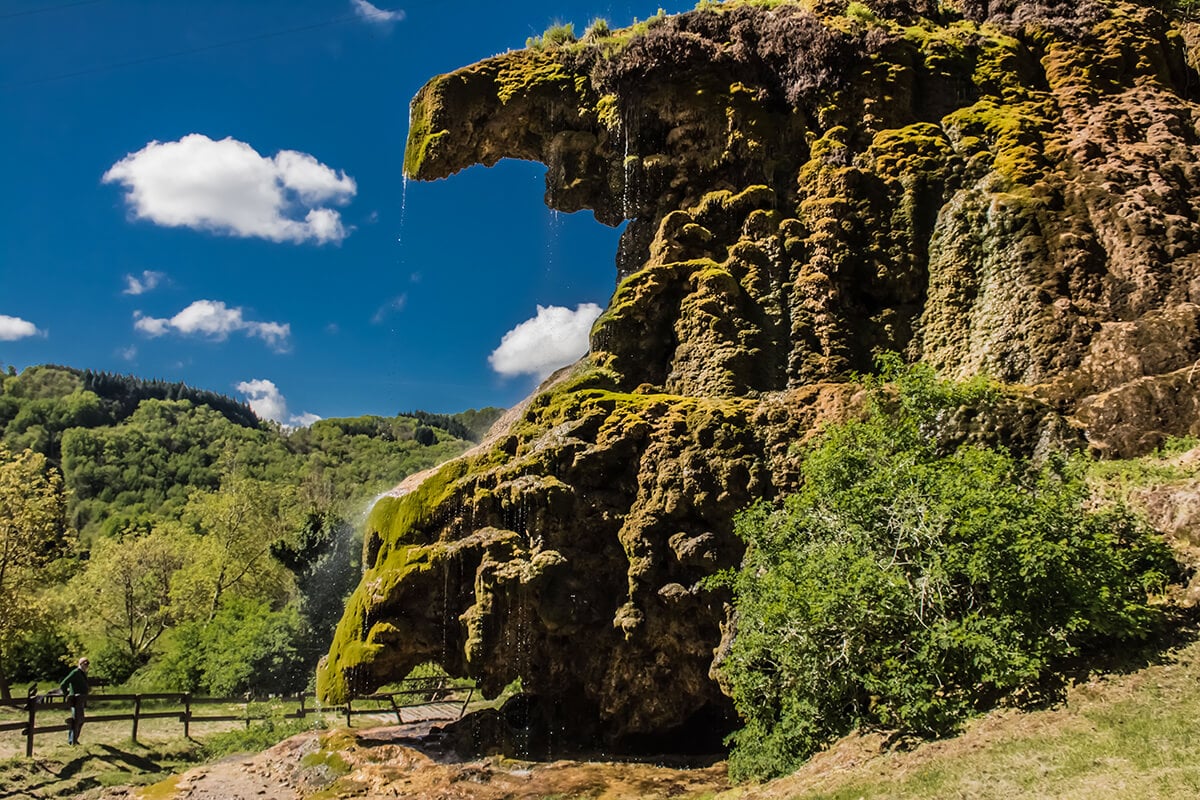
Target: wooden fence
{"x": 436, "y": 697}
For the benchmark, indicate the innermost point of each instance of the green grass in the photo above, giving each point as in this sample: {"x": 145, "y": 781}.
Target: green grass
{"x": 109, "y": 758}
{"x": 1133, "y": 737}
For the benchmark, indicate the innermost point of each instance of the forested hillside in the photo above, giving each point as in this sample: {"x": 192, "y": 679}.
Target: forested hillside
{"x": 178, "y": 540}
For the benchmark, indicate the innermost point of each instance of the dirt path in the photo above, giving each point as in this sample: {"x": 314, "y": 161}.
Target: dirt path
{"x": 397, "y": 761}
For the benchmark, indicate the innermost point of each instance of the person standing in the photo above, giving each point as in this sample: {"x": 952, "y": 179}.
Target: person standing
{"x": 75, "y": 687}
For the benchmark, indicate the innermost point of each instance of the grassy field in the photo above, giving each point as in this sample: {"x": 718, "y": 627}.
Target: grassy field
{"x": 1133, "y": 737}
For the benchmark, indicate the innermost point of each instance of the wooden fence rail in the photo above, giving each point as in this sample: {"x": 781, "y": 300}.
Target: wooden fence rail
{"x": 434, "y": 693}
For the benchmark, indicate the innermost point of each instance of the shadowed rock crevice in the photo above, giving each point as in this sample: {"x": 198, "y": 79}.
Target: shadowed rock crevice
{"x": 1008, "y": 188}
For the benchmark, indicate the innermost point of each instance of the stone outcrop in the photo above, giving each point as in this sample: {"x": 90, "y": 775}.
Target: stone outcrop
{"x": 1011, "y": 189}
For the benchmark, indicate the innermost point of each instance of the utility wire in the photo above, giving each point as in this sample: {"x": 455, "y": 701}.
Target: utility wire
{"x": 32, "y": 11}
{"x": 190, "y": 51}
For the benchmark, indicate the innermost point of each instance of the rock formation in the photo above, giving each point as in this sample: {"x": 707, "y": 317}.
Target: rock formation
{"x": 1009, "y": 188}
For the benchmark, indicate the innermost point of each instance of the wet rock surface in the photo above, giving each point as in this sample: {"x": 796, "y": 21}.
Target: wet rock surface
{"x": 804, "y": 187}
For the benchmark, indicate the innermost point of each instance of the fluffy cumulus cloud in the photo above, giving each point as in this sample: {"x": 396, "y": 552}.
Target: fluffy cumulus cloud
{"x": 374, "y": 14}
{"x": 212, "y": 319}
{"x": 226, "y": 187}
{"x": 14, "y": 328}
{"x": 148, "y": 281}
{"x": 554, "y": 338}
{"x": 267, "y": 402}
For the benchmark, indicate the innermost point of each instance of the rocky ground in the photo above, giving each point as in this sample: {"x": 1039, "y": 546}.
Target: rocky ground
{"x": 403, "y": 761}
{"x": 1127, "y": 735}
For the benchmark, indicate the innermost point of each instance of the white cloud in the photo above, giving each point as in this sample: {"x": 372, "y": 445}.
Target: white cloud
{"x": 267, "y": 402}
{"x": 397, "y": 303}
{"x": 147, "y": 282}
{"x": 556, "y": 337}
{"x": 149, "y": 325}
{"x": 14, "y": 328}
{"x": 213, "y": 319}
{"x": 372, "y": 13}
{"x": 128, "y": 353}
{"x": 227, "y": 187}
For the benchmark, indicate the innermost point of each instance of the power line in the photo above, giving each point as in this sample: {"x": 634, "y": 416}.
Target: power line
{"x": 190, "y": 51}
{"x": 32, "y": 11}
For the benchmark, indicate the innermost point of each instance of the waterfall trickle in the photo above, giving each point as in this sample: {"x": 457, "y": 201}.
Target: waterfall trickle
{"x": 403, "y": 205}
{"x": 627, "y": 166}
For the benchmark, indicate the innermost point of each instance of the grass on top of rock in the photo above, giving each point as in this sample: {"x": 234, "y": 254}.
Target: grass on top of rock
{"x": 911, "y": 584}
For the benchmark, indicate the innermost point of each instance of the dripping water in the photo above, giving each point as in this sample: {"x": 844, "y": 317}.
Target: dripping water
{"x": 403, "y": 205}
{"x": 627, "y": 166}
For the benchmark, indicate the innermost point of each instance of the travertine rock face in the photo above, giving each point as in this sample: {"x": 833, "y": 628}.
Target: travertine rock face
{"x": 1012, "y": 189}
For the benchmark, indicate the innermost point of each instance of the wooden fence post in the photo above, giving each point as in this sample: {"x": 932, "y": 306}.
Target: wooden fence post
{"x": 187, "y": 715}
{"x": 303, "y": 713}
{"x": 349, "y": 724}
{"x": 31, "y": 706}
{"x": 396, "y": 708}
{"x": 137, "y": 712}
{"x": 466, "y": 703}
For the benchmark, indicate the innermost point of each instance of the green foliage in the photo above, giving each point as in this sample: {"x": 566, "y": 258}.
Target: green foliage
{"x": 479, "y": 421}
{"x": 245, "y": 647}
{"x": 1188, "y": 10}
{"x": 147, "y": 464}
{"x": 597, "y": 29}
{"x": 112, "y": 662}
{"x": 250, "y": 648}
{"x": 555, "y": 36}
{"x": 860, "y": 12}
{"x": 325, "y": 560}
{"x": 123, "y": 599}
{"x": 180, "y": 538}
{"x": 254, "y": 739}
{"x": 910, "y": 583}
{"x": 33, "y": 533}
{"x": 39, "y": 652}
{"x": 424, "y": 436}
{"x": 124, "y": 393}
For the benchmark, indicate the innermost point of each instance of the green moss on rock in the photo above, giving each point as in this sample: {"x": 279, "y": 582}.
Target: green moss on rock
{"x": 804, "y": 185}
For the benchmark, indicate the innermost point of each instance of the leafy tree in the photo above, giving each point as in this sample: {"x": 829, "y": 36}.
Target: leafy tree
{"x": 480, "y": 420}
{"x": 238, "y": 526}
{"x": 33, "y": 532}
{"x": 324, "y": 559}
{"x": 149, "y": 463}
{"x": 424, "y": 436}
{"x": 123, "y": 598}
{"x": 140, "y": 458}
{"x": 913, "y": 581}
{"x": 246, "y": 647}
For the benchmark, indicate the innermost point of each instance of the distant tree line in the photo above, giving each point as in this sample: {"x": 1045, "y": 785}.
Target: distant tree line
{"x": 470, "y": 425}
{"x": 178, "y": 541}
{"x": 126, "y": 392}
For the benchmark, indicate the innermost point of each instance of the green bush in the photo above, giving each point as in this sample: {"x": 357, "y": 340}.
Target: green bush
{"x": 556, "y": 35}
{"x": 245, "y": 648}
{"x": 908, "y": 585}
{"x": 597, "y": 29}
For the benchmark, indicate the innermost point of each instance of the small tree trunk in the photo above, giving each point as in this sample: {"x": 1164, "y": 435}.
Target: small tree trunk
{"x": 5, "y": 688}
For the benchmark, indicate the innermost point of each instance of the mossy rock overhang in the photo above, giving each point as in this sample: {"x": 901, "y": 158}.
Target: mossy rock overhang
{"x": 1009, "y": 190}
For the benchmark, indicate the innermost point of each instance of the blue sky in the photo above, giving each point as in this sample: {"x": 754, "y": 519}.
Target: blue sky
{"x": 212, "y": 192}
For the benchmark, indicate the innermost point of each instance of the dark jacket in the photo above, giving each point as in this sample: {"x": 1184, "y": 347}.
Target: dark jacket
{"x": 76, "y": 683}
